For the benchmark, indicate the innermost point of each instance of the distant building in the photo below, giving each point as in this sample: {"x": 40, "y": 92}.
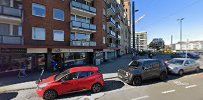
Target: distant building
{"x": 191, "y": 45}
{"x": 140, "y": 40}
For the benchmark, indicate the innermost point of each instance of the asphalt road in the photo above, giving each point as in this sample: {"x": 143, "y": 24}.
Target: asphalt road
{"x": 188, "y": 87}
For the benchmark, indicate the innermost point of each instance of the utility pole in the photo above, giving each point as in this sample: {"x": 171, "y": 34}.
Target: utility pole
{"x": 133, "y": 24}
{"x": 181, "y": 20}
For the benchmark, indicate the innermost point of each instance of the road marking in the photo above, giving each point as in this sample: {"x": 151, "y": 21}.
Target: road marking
{"x": 139, "y": 98}
{"x": 191, "y": 86}
{"x": 180, "y": 83}
{"x": 169, "y": 91}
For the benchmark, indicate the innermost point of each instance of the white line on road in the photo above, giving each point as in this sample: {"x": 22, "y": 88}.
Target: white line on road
{"x": 169, "y": 91}
{"x": 139, "y": 98}
{"x": 191, "y": 86}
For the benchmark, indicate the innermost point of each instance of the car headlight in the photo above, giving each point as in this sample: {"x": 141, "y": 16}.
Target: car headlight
{"x": 41, "y": 86}
{"x": 127, "y": 74}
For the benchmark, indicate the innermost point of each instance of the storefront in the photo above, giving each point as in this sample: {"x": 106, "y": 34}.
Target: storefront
{"x": 11, "y": 60}
{"x": 98, "y": 57}
{"x": 110, "y": 54}
{"x": 74, "y": 57}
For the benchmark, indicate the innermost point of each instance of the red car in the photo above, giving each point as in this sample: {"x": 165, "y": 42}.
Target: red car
{"x": 72, "y": 80}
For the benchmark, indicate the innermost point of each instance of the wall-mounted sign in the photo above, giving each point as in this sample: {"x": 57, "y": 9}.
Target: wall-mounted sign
{"x": 61, "y": 50}
{"x": 36, "y": 50}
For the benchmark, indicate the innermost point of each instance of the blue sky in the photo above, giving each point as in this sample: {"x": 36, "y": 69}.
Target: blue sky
{"x": 161, "y": 19}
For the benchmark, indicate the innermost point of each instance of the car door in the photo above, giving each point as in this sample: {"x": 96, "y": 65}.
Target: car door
{"x": 193, "y": 65}
{"x": 155, "y": 69}
{"x": 187, "y": 66}
{"x": 147, "y": 70}
{"x": 68, "y": 83}
{"x": 85, "y": 80}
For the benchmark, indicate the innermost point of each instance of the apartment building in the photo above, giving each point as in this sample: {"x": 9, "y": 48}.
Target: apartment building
{"x": 140, "y": 40}
{"x": 190, "y": 45}
{"x": 71, "y": 32}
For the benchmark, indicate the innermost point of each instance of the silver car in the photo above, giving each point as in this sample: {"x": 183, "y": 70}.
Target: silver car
{"x": 182, "y": 65}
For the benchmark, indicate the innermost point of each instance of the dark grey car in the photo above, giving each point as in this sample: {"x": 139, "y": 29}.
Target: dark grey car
{"x": 142, "y": 69}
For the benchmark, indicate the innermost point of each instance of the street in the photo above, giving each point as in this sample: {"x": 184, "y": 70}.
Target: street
{"x": 188, "y": 87}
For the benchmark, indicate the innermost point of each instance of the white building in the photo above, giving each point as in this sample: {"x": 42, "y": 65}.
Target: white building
{"x": 140, "y": 40}
{"x": 191, "y": 45}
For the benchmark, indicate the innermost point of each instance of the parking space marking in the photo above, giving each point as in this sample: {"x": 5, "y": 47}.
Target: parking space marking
{"x": 139, "y": 98}
{"x": 191, "y": 86}
{"x": 179, "y": 83}
{"x": 169, "y": 91}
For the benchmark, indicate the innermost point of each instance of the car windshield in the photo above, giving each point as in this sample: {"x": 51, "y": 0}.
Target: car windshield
{"x": 176, "y": 62}
{"x": 134, "y": 64}
{"x": 61, "y": 75}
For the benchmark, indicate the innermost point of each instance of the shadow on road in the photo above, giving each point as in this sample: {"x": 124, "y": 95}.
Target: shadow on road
{"x": 170, "y": 77}
{"x": 8, "y": 96}
{"x": 109, "y": 86}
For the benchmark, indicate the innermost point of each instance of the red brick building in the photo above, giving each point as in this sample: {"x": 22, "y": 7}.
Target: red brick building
{"x": 70, "y": 32}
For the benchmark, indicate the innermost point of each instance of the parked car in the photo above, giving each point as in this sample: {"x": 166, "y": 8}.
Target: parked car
{"x": 182, "y": 65}
{"x": 142, "y": 69}
{"x": 72, "y": 80}
{"x": 189, "y": 55}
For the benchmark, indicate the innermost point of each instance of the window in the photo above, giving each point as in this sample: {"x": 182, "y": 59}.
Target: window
{"x": 4, "y": 29}
{"x": 38, "y": 10}
{"x": 38, "y": 33}
{"x": 84, "y": 74}
{"x": 5, "y": 2}
{"x": 58, "y": 35}
{"x": 58, "y": 14}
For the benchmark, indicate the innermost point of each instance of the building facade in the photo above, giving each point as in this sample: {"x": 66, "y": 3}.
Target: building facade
{"x": 191, "y": 46}
{"x": 140, "y": 41}
{"x": 71, "y": 32}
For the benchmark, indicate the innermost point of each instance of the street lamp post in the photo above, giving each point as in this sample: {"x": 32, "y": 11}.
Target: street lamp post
{"x": 133, "y": 24}
{"x": 181, "y": 20}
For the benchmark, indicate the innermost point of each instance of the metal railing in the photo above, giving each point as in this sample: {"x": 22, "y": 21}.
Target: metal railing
{"x": 82, "y": 43}
{"x": 112, "y": 20}
{"x": 77, "y": 24}
{"x": 83, "y": 7}
{"x": 112, "y": 33}
{"x": 111, "y": 7}
{"x": 9, "y": 11}
{"x": 6, "y": 39}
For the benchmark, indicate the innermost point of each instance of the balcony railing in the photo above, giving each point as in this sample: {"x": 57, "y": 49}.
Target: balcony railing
{"x": 6, "y": 39}
{"x": 111, "y": 9}
{"x": 83, "y": 7}
{"x": 82, "y": 43}
{"x": 9, "y": 11}
{"x": 112, "y": 21}
{"x": 112, "y": 45}
{"x": 112, "y": 33}
{"x": 77, "y": 24}
{"x": 118, "y": 26}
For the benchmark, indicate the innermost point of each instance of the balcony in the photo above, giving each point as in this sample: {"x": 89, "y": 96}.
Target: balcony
{"x": 118, "y": 27}
{"x": 83, "y": 27}
{"x": 111, "y": 10}
{"x": 82, "y": 9}
{"x": 83, "y": 43}
{"x": 10, "y": 15}
{"x": 6, "y": 39}
{"x": 112, "y": 45}
{"x": 111, "y": 22}
{"x": 112, "y": 33}
{"x": 118, "y": 18}
{"x": 118, "y": 36}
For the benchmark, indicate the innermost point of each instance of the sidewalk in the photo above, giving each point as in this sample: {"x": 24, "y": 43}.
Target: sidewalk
{"x": 108, "y": 69}
{"x": 33, "y": 85}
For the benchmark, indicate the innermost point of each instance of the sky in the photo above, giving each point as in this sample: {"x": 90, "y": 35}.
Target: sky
{"x": 161, "y": 16}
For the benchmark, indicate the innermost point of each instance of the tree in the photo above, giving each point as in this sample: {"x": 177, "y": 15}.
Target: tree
{"x": 157, "y": 43}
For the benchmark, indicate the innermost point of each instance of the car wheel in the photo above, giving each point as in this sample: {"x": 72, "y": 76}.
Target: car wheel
{"x": 137, "y": 81}
{"x": 181, "y": 72}
{"x": 163, "y": 76}
{"x": 197, "y": 69}
{"x": 50, "y": 95}
{"x": 96, "y": 88}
